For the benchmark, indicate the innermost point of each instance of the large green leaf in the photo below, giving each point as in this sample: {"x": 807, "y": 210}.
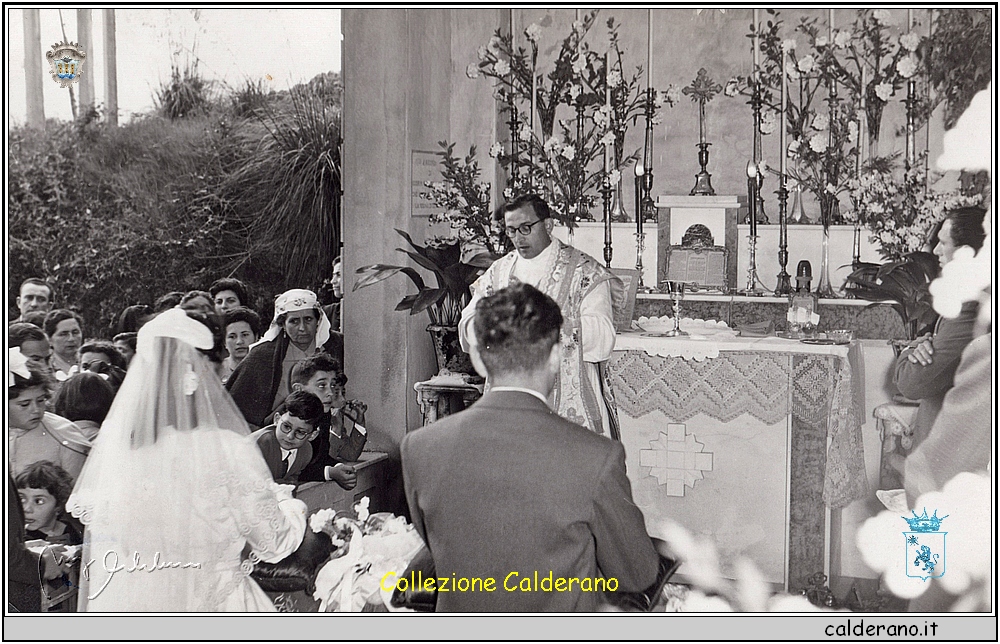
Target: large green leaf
{"x": 378, "y": 272}
{"x": 426, "y": 298}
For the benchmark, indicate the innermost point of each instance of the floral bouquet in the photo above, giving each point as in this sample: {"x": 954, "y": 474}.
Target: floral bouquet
{"x": 368, "y": 546}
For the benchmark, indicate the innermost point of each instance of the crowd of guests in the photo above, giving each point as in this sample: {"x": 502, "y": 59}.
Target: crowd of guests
{"x": 286, "y": 380}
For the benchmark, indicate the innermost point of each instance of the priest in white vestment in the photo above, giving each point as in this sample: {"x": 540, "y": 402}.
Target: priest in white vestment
{"x": 586, "y": 292}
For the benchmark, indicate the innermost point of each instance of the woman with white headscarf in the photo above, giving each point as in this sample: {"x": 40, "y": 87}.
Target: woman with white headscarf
{"x": 178, "y": 502}
{"x": 300, "y": 329}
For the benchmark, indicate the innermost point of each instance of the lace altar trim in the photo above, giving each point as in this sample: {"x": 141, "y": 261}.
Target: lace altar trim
{"x": 725, "y": 388}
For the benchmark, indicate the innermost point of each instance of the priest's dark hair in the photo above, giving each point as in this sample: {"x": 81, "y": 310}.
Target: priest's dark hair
{"x": 530, "y": 200}
{"x": 516, "y": 329}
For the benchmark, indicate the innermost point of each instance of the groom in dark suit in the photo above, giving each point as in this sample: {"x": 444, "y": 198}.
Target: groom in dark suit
{"x": 509, "y": 491}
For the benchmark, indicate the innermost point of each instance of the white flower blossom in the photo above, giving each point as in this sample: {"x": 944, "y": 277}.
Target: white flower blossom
{"x": 501, "y": 68}
{"x": 578, "y": 26}
{"x": 882, "y": 16}
{"x": 608, "y": 139}
{"x": 768, "y": 123}
{"x": 884, "y": 91}
{"x": 575, "y": 91}
{"x": 508, "y": 193}
{"x": 568, "y": 152}
{"x": 494, "y": 45}
{"x": 910, "y": 41}
{"x": 821, "y": 121}
{"x": 832, "y": 189}
{"x": 673, "y": 95}
{"x": 818, "y": 143}
{"x": 788, "y": 45}
{"x": 732, "y": 87}
{"x": 793, "y": 147}
{"x": 361, "y": 508}
{"x": 852, "y": 132}
{"x": 321, "y": 519}
{"x": 482, "y": 52}
{"x": 496, "y": 150}
{"x": 532, "y": 32}
{"x": 793, "y": 73}
{"x": 614, "y": 77}
{"x": 551, "y": 144}
{"x": 614, "y": 177}
{"x": 841, "y": 39}
{"x": 907, "y": 67}
{"x": 807, "y": 64}
{"x": 472, "y": 71}
{"x": 657, "y": 119}
{"x": 525, "y": 132}
{"x": 579, "y": 65}
{"x": 822, "y": 41}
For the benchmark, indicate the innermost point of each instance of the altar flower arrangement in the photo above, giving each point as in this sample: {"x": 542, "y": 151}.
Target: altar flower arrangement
{"x": 368, "y": 547}
{"x": 900, "y": 215}
{"x": 465, "y": 200}
{"x": 560, "y": 161}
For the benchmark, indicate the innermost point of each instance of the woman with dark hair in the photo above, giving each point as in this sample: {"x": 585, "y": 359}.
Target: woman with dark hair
{"x": 34, "y": 434}
{"x": 242, "y": 328}
{"x": 925, "y": 370}
{"x": 300, "y": 329}
{"x": 198, "y": 301}
{"x": 133, "y": 317}
{"x": 227, "y": 294}
{"x": 125, "y": 343}
{"x": 102, "y": 357}
{"x": 85, "y": 399}
{"x": 167, "y": 301}
{"x": 65, "y": 331}
{"x": 174, "y": 473}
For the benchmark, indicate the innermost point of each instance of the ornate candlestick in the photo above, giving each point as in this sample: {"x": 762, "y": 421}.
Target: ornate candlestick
{"x": 640, "y": 236}
{"x": 752, "y": 279}
{"x": 606, "y": 197}
{"x": 512, "y": 123}
{"x": 784, "y": 286}
{"x": 702, "y": 89}
{"x": 676, "y": 290}
{"x": 756, "y": 102}
{"x": 646, "y": 209}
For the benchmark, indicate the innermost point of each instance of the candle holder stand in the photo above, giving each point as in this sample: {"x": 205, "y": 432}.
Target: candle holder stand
{"x": 512, "y": 123}
{"x": 640, "y": 246}
{"x": 784, "y": 286}
{"x": 606, "y": 198}
{"x": 703, "y": 180}
{"x": 756, "y": 102}
{"x": 755, "y": 287}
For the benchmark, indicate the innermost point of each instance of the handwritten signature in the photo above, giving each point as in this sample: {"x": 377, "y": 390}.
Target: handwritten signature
{"x": 112, "y": 566}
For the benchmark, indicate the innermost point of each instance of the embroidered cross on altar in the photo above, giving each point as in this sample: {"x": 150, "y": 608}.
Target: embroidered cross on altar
{"x": 676, "y": 459}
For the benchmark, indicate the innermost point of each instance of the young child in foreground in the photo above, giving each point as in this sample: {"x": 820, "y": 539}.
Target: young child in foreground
{"x": 43, "y": 488}
{"x": 342, "y": 434}
{"x": 285, "y": 444}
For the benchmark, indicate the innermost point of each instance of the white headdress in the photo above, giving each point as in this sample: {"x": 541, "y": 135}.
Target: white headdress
{"x": 297, "y": 299}
{"x": 16, "y": 363}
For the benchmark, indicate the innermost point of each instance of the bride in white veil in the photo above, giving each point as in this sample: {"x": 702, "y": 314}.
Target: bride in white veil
{"x": 177, "y": 502}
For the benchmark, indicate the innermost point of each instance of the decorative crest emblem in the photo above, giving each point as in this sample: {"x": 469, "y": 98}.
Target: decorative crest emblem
{"x": 66, "y": 62}
{"x": 925, "y": 545}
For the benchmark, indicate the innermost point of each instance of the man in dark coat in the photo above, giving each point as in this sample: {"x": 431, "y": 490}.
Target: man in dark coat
{"x": 509, "y": 491}
{"x": 299, "y": 330}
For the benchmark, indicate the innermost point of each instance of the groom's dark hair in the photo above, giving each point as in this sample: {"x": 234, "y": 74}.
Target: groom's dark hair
{"x": 516, "y": 329}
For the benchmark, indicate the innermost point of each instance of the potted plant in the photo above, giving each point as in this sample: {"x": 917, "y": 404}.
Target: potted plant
{"x": 906, "y": 284}
{"x": 444, "y": 302}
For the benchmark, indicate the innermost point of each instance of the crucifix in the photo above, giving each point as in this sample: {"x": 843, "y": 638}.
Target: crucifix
{"x": 702, "y": 89}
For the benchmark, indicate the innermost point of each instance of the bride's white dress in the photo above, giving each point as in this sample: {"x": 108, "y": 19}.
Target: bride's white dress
{"x": 187, "y": 554}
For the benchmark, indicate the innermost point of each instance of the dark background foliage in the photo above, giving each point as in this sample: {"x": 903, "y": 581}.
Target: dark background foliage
{"x": 213, "y": 183}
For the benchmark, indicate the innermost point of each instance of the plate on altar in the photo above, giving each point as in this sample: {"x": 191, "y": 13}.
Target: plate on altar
{"x": 824, "y": 341}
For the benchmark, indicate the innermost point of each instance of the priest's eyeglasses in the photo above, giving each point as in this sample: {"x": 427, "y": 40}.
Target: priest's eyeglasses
{"x": 299, "y": 434}
{"x": 524, "y": 229}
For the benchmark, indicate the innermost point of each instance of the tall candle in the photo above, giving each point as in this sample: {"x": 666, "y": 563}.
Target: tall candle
{"x": 534, "y": 90}
{"x": 831, "y": 27}
{"x": 607, "y": 103}
{"x": 782, "y": 152}
{"x": 649, "y": 48}
{"x": 701, "y": 121}
{"x": 756, "y": 42}
{"x": 638, "y": 197}
{"x": 909, "y": 19}
{"x": 752, "y": 196}
{"x": 863, "y": 120}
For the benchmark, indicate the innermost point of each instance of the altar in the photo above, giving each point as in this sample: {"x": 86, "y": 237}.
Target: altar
{"x": 752, "y": 442}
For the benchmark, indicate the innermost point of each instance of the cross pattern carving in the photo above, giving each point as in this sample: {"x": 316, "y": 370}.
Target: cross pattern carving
{"x": 676, "y": 459}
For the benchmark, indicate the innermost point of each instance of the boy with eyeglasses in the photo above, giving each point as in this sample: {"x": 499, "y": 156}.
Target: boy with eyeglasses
{"x": 342, "y": 434}
{"x": 285, "y": 444}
